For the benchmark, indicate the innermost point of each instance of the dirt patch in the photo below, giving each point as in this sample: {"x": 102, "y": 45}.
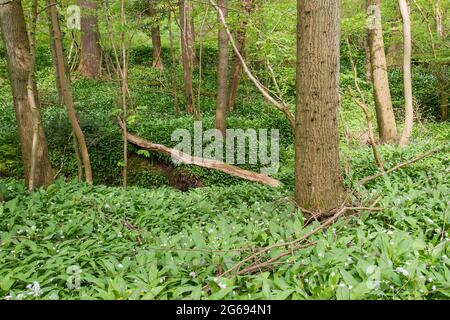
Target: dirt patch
{"x": 176, "y": 178}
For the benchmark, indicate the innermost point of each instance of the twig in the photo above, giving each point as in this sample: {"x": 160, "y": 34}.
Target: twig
{"x": 399, "y": 166}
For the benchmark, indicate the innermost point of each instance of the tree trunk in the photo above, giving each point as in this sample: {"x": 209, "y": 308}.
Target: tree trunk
{"x": 443, "y": 86}
{"x": 367, "y": 60}
{"x": 443, "y": 103}
{"x": 65, "y": 87}
{"x": 407, "y": 79}
{"x": 187, "y": 50}
{"x": 236, "y": 67}
{"x": 124, "y": 82}
{"x": 222, "y": 70}
{"x": 383, "y": 102}
{"x": 91, "y": 52}
{"x": 318, "y": 178}
{"x": 156, "y": 37}
{"x": 13, "y": 30}
{"x": 174, "y": 68}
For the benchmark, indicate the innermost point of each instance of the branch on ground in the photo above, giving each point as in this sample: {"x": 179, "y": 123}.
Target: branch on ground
{"x": 202, "y": 162}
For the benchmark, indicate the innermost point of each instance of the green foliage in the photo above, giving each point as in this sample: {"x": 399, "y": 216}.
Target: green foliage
{"x": 153, "y": 244}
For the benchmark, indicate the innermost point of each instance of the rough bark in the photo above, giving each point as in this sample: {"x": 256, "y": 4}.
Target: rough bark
{"x": 187, "y": 50}
{"x": 91, "y": 52}
{"x": 236, "y": 66}
{"x": 407, "y": 78}
{"x": 14, "y": 33}
{"x": 383, "y": 102}
{"x": 156, "y": 37}
{"x": 318, "y": 179}
{"x": 65, "y": 86}
{"x": 222, "y": 70}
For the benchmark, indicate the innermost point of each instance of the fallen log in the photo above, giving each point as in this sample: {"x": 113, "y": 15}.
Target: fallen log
{"x": 202, "y": 162}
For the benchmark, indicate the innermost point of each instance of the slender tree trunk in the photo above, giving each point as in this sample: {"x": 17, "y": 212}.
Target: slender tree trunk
{"x": 443, "y": 103}
{"x": 367, "y": 60}
{"x": 236, "y": 66}
{"x": 407, "y": 79}
{"x": 91, "y": 53}
{"x": 222, "y": 70}
{"x": 156, "y": 37}
{"x": 174, "y": 68}
{"x": 14, "y": 33}
{"x": 57, "y": 80}
{"x": 443, "y": 86}
{"x": 65, "y": 87}
{"x": 187, "y": 53}
{"x": 124, "y": 81}
{"x": 383, "y": 102}
{"x": 318, "y": 178}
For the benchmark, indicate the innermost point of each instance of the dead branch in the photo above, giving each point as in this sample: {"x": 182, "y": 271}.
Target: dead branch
{"x": 202, "y": 162}
{"x": 399, "y": 166}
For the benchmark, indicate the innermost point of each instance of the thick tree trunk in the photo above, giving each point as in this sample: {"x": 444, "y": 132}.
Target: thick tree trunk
{"x": 222, "y": 70}
{"x": 236, "y": 66}
{"x": 156, "y": 38}
{"x": 91, "y": 52}
{"x": 407, "y": 78}
{"x": 187, "y": 51}
{"x": 383, "y": 102}
{"x": 65, "y": 87}
{"x": 318, "y": 179}
{"x": 13, "y": 30}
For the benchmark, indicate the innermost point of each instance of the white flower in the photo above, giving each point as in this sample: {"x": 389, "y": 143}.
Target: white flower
{"x": 162, "y": 279}
{"x": 222, "y": 285}
{"x": 34, "y": 289}
{"x": 402, "y": 271}
{"x": 430, "y": 279}
{"x": 333, "y": 274}
{"x": 210, "y": 231}
{"x": 433, "y": 288}
{"x": 193, "y": 274}
{"x": 120, "y": 266}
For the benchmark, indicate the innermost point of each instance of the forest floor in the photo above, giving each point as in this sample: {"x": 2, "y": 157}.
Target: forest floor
{"x": 155, "y": 242}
